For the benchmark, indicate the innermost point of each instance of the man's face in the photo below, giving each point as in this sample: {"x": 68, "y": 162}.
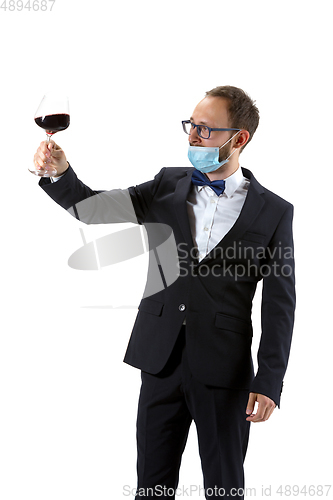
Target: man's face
{"x": 213, "y": 112}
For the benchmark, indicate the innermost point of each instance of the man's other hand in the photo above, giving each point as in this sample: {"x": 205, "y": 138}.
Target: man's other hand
{"x": 265, "y": 407}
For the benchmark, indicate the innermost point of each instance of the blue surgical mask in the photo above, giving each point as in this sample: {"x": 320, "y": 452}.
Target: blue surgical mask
{"x": 206, "y": 159}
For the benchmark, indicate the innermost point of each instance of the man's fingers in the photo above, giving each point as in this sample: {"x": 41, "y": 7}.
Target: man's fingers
{"x": 54, "y": 149}
{"x": 38, "y": 160}
{"x": 250, "y": 403}
{"x": 50, "y": 155}
{"x": 270, "y": 411}
{"x": 49, "y": 147}
{"x": 42, "y": 154}
{"x": 265, "y": 409}
{"x": 259, "y": 416}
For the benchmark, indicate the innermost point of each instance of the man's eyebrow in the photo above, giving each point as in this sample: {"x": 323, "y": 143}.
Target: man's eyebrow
{"x": 201, "y": 123}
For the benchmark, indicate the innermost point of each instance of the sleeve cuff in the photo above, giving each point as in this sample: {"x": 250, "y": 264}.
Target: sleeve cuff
{"x": 55, "y": 179}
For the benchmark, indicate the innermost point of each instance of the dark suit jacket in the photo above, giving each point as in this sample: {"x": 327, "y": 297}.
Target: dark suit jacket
{"x": 216, "y": 294}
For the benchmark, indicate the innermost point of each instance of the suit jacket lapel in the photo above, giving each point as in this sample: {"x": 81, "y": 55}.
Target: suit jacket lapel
{"x": 180, "y": 206}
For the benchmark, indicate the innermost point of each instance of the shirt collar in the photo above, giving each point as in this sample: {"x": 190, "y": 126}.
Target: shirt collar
{"x": 232, "y": 183}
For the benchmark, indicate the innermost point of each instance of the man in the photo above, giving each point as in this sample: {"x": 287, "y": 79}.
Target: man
{"x": 192, "y": 339}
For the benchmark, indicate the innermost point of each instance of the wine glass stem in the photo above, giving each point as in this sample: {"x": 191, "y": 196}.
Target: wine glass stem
{"x": 48, "y": 142}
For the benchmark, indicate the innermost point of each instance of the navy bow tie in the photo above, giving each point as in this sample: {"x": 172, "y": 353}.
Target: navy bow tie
{"x": 199, "y": 179}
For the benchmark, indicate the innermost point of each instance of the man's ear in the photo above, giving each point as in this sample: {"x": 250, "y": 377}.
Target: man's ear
{"x": 241, "y": 139}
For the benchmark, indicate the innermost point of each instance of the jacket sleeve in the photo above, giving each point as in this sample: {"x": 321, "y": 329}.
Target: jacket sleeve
{"x": 101, "y": 207}
{"x": 277, "y": 313}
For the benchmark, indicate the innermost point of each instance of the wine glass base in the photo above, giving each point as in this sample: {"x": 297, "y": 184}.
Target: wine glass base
{"x": 44, "y": 173}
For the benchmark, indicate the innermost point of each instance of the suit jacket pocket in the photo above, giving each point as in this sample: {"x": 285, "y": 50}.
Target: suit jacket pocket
{"x": 233, "y": 324}
{"x": 254, "y": 237}
{"x": 151, "y": 306}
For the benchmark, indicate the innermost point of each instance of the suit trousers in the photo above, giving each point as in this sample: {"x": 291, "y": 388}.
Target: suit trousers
{"x": 168, "y": 403}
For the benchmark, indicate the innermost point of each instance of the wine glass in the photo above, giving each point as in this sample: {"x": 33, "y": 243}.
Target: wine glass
{"x": 53, "y": 116}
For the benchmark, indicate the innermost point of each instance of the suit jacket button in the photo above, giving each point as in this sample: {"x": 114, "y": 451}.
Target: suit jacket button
{"x": 182, "y": 307}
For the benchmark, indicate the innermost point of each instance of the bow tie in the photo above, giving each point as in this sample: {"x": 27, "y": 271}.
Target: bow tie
{"x": 199, "y": 179}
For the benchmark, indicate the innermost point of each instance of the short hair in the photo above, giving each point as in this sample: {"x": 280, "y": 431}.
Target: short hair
{"x": 242, "y": 111}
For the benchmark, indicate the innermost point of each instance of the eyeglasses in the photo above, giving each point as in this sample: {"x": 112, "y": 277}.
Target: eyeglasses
{"x": 203, "y": 131}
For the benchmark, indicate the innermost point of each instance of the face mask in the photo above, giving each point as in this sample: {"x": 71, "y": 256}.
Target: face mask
{"x": 206, "y": 159}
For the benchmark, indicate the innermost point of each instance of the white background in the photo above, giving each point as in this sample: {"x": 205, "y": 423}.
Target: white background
{"x": 133, "y": 70}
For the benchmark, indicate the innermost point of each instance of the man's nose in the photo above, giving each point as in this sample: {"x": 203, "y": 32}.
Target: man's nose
{"x": 194, "y": 137}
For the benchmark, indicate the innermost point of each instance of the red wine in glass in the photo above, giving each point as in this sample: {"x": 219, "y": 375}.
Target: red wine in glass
{"x": 53, "y": 123}
{"x": 53, "y": 116}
